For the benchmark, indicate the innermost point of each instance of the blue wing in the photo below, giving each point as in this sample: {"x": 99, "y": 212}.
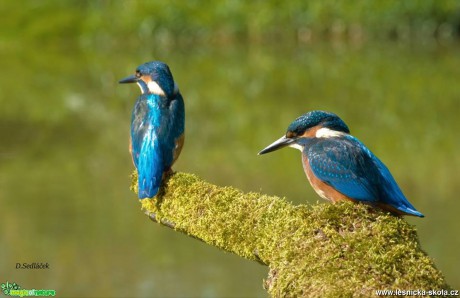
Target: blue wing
{"x": 147, "y": 146}
{"x": 352, "y": 169}
{"x": 176, "y": 130}
{"x": 346, "y": 166}
{"x": 138, "y": 129}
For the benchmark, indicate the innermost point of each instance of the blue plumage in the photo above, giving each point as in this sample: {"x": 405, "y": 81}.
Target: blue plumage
{"x": 342, "y": 166}
{"x": 339, "y": 166}
{"x": 157, "y": 125}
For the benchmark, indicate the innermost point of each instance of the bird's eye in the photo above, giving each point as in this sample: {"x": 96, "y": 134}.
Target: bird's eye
{"x": 291, "y": 134}
{"x": 138, "y": 74}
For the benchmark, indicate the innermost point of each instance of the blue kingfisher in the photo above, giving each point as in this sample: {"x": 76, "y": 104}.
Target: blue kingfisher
{"x": 157, "y": 125}
{"x": 340, "y": 167}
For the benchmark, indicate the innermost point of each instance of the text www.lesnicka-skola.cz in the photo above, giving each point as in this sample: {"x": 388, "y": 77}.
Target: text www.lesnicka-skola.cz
{"x": 398, "y": 292}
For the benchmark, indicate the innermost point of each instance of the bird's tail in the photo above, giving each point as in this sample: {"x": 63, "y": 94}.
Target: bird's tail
{"x": 410, "y": 211}
{"x": 148, "y": 187}
{"x": 393, "y": 194}
{"x": 399, "y": 201}
{"x": 150, "y": 171}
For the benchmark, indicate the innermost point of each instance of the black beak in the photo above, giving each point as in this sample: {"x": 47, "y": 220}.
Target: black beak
{"x": 278, "y": 144}
{"x": 130, "y": 79}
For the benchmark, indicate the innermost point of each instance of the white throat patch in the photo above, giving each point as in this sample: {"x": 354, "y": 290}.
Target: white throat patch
{"x": 328, "y": 133}
{"x": 155, "y": 88}
{"x": 296, "y": 146}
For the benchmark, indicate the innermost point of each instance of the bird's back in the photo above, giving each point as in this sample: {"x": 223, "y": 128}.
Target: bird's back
{"x": 150, "y": 140}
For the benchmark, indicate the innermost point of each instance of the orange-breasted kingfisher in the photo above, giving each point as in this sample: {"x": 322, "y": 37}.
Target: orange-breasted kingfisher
{"x": 340, "y": 167}
{"x": 157, "y": 125}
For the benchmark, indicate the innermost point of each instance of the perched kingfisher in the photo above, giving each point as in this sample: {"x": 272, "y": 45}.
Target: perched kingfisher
{"x": 157, "y": 125}
{"x": 340, "y": 167}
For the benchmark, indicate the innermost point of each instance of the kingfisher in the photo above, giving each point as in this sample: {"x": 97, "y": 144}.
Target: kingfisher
{"x": 157, "y": 125}
{"x": 340, "y": 167}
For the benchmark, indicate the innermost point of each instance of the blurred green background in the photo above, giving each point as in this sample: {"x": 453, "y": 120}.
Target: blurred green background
{"x": 246, "y": 69}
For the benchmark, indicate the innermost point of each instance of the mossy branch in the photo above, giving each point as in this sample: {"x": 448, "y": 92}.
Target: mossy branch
{"x": 321, "y": 250}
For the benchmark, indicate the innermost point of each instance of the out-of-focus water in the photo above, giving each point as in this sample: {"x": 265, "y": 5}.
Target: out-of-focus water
{"x": 64, "y": 162}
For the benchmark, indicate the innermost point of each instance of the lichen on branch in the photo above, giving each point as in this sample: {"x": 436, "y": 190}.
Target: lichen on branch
{"x": 319, "y": 250}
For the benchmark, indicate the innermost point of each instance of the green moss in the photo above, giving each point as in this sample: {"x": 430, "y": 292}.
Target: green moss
{"x": 321, "y": 250}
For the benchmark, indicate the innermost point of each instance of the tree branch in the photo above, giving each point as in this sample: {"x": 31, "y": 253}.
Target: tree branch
{"x": 320, "y": 250}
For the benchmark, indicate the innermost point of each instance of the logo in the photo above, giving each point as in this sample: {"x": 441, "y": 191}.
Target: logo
{"x": 6, "y": 288}
{"x": 13, "y": 289}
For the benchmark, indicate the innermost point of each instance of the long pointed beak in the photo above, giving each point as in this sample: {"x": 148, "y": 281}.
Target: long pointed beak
{"x": 130, "y": 79}
{"x": 278, "y": 144}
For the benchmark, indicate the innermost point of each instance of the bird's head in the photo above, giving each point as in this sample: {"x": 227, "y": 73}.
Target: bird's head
{"x": 314, "y": 124}
{"x": 153, "y": 78}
